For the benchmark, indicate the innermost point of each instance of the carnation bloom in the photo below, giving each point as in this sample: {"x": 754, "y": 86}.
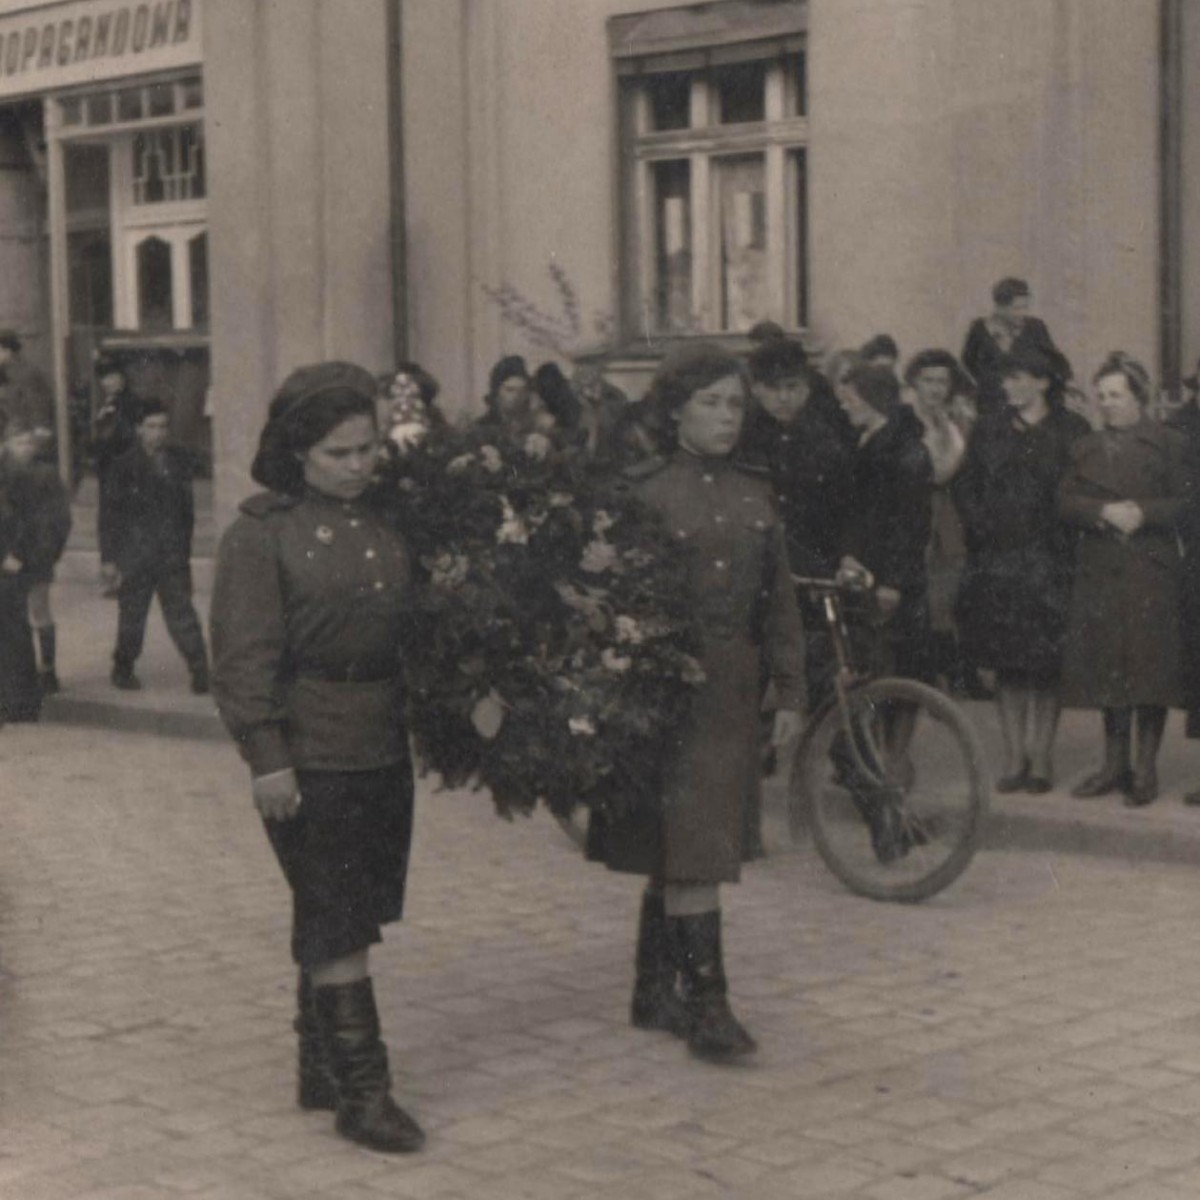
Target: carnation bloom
{"x": 691, "y": 671}
{"x": 408, "y": 434}
{"x": 582, "y": 726}
{"x": 449, "y": 570}
{"x": 602, "y": 522}
{"x": 560, "y": 500}
{"x": 489, "y": 456}
{"x": 459, "y": 464}
{"x": 537, "y": 445}
{"x": 512, "y": 529}
{"x": 598, "y": 556}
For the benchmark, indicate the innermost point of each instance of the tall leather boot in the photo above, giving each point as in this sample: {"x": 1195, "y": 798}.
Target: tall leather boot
{"x": 1115, "y": 775}
{"x": 314, "y": 1084}
{"x": 366, "y": 1112}
{"x": 47, "y": 638}
{"x": 656, "y": 1002}
{"x": 714, "y": 1033}
{"x": 1151, "y": 723}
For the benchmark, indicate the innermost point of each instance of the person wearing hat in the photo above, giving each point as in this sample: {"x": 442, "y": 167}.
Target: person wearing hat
{"x": 1016, "y": 586}
{"x": 1123, "y": 494}
{"x": 512, "y": 405}
{"x": 25, "y": 393}
{"x": 1008, "y": 329}
{"x": 740, "y": 589}
{"x": 148, "y": 539}
{"x": 308, "y": 616}
{"x": 113, "y": 433}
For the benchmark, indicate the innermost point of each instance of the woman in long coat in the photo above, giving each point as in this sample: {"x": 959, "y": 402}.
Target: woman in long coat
{"x": 308, "y": 613}
{"x": 1124, "y": 492}
{"x": 1012, "y": 605}
{"x": 743, "y": 598}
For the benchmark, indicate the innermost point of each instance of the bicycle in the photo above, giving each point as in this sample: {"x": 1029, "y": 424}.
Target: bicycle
{"x": 888, "y": 776}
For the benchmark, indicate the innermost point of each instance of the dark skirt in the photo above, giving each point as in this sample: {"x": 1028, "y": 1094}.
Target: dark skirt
{"x": 345, "y": 857}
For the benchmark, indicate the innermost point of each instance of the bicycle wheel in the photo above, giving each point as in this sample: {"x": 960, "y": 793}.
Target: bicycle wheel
{"x": 894, "y": 790}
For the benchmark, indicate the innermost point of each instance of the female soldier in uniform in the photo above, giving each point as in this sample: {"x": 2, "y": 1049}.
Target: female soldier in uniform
{"x": 742, "y": 594}
{"x": 307, "y": 616}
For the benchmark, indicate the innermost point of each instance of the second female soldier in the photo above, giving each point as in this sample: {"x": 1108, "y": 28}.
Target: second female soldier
{"x": 741, "y": 592}
{"x": 308, "y": 611}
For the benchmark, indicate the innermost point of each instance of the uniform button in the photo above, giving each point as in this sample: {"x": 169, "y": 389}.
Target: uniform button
{"x": 720, "y": 564}
{"x": 378, "y": 585}
{"x": 354, "y": 522}
{"x": 719, "y": 518}
{"x": 707, "y": 478}
{"x": 370, "y": 553}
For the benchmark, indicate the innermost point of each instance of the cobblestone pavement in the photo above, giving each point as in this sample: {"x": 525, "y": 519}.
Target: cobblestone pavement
{"x": 1033, "y": 1034}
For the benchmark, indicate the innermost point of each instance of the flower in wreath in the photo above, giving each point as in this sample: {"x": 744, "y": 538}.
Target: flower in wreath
{"x": 599, "y": 556}
{"x": 491, "y": 460}
{"x": 537, "y": 445}
{"x": 512, "y": 530}
{"x": 691, "y": 671}
{"x": 448, "y": 570}
{"x": 602, "y": 522}
{"x": 628, "y": 630}
{"x": 582, "y": 726}
{"x": 459, "y": 464}
{"x": 612, "y": 661}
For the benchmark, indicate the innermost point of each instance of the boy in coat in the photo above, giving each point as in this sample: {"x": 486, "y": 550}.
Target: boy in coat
{"x": 149, "y": 541}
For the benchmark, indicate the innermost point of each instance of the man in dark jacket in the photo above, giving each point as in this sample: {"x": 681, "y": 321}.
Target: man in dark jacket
{"x": 113, "y": 433}
{"x": 149, "y": 541}
{"x": 792, "y": 434}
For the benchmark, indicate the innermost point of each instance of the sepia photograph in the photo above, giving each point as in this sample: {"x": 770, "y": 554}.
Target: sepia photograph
{"x": 599, "y": 599}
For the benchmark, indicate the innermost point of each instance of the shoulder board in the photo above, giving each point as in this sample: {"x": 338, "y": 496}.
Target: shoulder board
{"x": 753, "y": 469}
{"x": 645, "y": 468}
{"x": 261, "y": 504}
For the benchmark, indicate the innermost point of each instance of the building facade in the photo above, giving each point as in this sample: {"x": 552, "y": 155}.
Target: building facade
{"x": 220, "y": 190}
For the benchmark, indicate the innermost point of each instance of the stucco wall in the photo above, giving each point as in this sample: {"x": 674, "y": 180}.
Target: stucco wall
{"x": 952, "y": 142}
{"x": 299, "y": 205}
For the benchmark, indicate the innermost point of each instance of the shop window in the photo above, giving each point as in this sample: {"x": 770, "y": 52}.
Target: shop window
{"x": 713, "y": 133}
{"x": 131, "y": 105}
{"x": 156, "y": 312}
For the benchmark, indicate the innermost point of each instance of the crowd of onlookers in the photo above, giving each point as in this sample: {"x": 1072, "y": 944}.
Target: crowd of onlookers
{"x": 1031, "y": 538}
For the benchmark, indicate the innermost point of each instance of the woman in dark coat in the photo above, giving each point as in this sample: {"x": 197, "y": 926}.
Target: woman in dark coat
{"x": 1012, "y": 604}
{"x": 308, "y": 612}
{"x": 1009, "y": 329}
{"x": 1123, "y": 492}
{"x": 743, "y": 598}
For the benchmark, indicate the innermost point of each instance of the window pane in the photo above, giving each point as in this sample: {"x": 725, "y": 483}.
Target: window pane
{"x": 193, "y": 93}
{"x": 198, "y": 278}
{"x": 129, "y": 104}
{"x": 89, "y": 278}
{"x": 670, "y": 100}
{"x": 796, "y": 74}
{"x": 741, "y": 92}
{"x": 71, "y": 108}
{"x": 162, "y": 99}
{"x": 741, "y": 198}
{"x": 156, "y": 310}
{"x": 85, "y": 168}
{"x": 100, "y": 109}
{"x": 673, "y": 244}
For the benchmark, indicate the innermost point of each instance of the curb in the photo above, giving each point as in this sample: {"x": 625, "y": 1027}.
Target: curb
{"x": 96, "y": 712}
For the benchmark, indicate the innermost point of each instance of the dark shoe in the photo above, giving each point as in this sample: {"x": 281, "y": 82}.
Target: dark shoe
{"x": 366, "y": 1112}
{"x": 125, "y": 679}
{"x": 50, "y": 684}
{"x": 47, "y": 640}
{"x": 891, "y": 840}
{"x": 1039, "y": 785}
{"x": 200, "y": 683}
{"x": 314, "y": 1084}
{"x": 714, "y": 1033}
{"x": 1143, "y": 790}
{"x": 1192, "y": 799}
{"x": 1102, "y": 783}
{"x": 656, "y": 1000}
{"x": 1016, "y": 782}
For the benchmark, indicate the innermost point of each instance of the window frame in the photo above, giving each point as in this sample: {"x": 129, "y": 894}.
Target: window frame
{"x": 782, "y": 140}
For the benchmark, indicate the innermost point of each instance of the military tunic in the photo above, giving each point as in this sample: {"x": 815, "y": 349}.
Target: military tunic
{"x": 308, "y": 617}
{"x": 742, "y": 595}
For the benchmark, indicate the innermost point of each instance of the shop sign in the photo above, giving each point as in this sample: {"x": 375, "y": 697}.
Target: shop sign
{"x": 89, "y": 41}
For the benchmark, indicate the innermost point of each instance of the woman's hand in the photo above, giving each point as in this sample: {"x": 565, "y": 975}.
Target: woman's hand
{"x": 1125, "y": 516}
{"x": 788, "y": 726}
{"x": 277, "y": 796}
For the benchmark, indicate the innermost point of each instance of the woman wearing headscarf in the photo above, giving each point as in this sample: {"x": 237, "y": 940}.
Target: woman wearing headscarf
{"x": 308, "y": 613}
{"x": 1124, "y": 492}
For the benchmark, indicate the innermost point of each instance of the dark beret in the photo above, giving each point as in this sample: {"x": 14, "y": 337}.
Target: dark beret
{"x": 305, "y": 383}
